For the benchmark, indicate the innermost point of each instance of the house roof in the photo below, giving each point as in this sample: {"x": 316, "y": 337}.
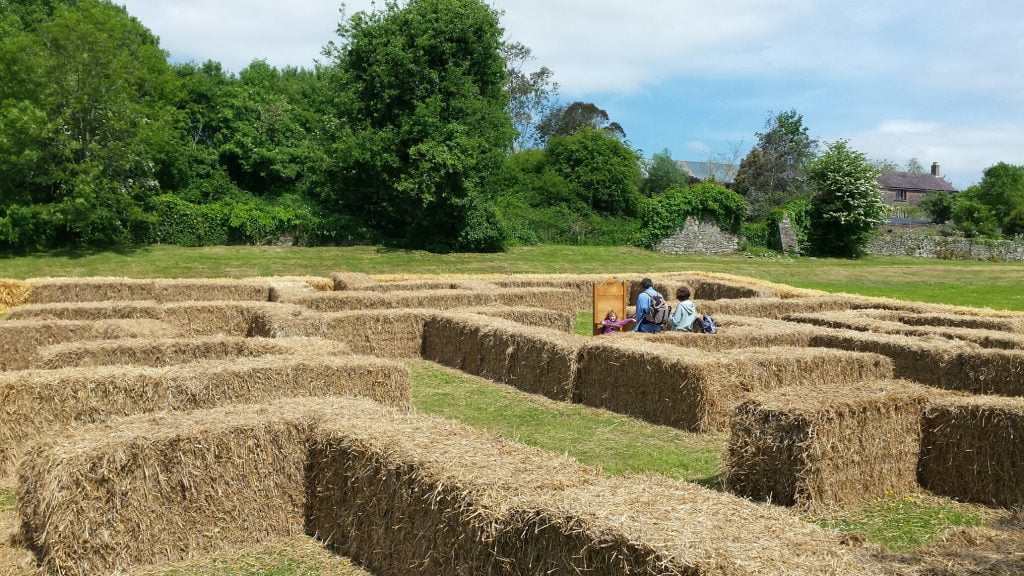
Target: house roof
{"x": 705, "y": 170}
{"x": 914, "y": 181}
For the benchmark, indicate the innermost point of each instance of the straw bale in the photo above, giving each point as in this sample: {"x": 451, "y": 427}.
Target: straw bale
{"x": 99, "y": 289}
{"x": 19, "y": 339}
{"x": 352, "y": 281}
{"x": 730, "y": 337}
{"x": 398, "y": 493}
{"x": 774, "y": 308}
{"x": 169, "y": 351}
{"x": 213, "y": 318}
{"x": 999, "y": 372}
{"x": 136, "y": 309}
{"x": 318, "y": 283}
{"x": 396, "y": 333}
{"x": 697, "y": 390}
{"x": 539, "y": 317}
{"x": 13, "y": 293}
{"x": 286, "y": 291}
{"x": 165, "y": 487}
{"x": 1015, "y": 325}
{"x": 213, "y": 289}
{"x": 653, "y": 525}
{"x": 374, "y": 301}
{"x": 827, "y": 445}
{"x": 554, "y": 299}
{"x": 286, "y": 321}
{"x": 867, "y": 321}
{"x": 41, "y": 403}
{"x": 972, "y": 450}
{"x": 536, "y": 360}
{"x": 418, "y": 285}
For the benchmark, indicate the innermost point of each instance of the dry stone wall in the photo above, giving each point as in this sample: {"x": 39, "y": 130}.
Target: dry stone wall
{"x": 699, "y": 237}
{"x": 947, "y": 248}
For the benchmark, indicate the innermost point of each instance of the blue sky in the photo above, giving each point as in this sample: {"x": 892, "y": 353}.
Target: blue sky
{"x": 936, "y": 81}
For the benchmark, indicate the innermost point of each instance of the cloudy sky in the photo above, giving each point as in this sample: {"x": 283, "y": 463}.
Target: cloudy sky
{"x": 939, "y": 81}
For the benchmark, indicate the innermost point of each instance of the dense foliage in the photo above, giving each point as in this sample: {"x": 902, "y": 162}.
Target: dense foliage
{"x": 846, "y": 206}
{"x": 665, "y": 213}
{"x": 774, "y": 172}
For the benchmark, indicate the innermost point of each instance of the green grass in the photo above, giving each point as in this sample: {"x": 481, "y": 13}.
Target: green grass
{"x": 993, "y": 284}
{"x": 584, "y": 325}
{"x": 8, "y": 500}
{"x": 903, "y": 524}
{"x": 616, "y": 444}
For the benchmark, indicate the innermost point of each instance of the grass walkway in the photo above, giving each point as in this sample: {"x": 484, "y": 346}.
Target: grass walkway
{"x": 993, "y": 284}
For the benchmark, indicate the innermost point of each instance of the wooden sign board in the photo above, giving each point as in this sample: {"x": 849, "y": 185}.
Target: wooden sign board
{"x": 610, "y": 295}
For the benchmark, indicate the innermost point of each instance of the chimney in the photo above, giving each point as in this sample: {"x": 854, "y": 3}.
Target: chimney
{"x": 935, "y": 169}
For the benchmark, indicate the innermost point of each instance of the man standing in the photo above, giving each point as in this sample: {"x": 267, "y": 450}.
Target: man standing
{"x": 649, "y": 306}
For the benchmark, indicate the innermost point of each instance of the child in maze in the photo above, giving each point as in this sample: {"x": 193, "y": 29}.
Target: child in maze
{"x": 611, "y": 323}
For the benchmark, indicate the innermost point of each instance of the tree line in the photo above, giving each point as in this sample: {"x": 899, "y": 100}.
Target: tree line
{"x": 422, "y": 126}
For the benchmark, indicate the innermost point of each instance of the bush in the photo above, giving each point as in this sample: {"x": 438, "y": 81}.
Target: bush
{"x": 973, "y": 218}
{"x": 799, "y": 212}
{"x": 238, "y": 220}
{"x": 757, "y": 234}
{"x": 939, "y": 206}
{"x": 847, "y": 206}
{"x": 1014, "y": 223}
{"x": 662, "y": 215}
{"x": 601, "y": 171}
{"x": 484, "y": 231}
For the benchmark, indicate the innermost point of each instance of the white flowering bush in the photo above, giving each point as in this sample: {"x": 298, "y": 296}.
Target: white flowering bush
{"x": 846, "y": 205}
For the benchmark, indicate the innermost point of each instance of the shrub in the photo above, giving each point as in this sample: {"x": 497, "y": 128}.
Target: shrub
{"x": 662, "y": 215}
{"x": 847, "y": 205}
{"x": 939, "y": 206}
{"x": 601, "y": 171}
{"x": 973, "y": 218}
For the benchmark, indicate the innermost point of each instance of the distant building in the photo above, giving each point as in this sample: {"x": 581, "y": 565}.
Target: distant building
{"x": 901, "y": 189}
{"x": 724, "y": 174}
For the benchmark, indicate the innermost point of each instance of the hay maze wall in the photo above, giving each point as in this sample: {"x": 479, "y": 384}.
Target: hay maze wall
{"x": 303, "y": 376}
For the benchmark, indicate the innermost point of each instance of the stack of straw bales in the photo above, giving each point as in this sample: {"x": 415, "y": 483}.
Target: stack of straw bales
{"x": 553, "y": 299}
{"x": 285, "y": 321}
{"x": 863, "y": 321}
{"x": 946, "y": 320}
{"x": 169, "y": 351}
{"x": 392, "y": 333}
{"x": 774, "y": 308}
{"x": 41, "y": 403}
{"x": 212, "y": 318}
{"x": 20, "y": 339}
{"x": 736, "y": 332}
{"x": 534, "y": 360}
{"x": 53, "y": 290}
{"x": 398, "y": 493}
{"x": 352, "y": 281}
{"x": 537, "y": 317}
{"x": 827, "y": 445}
{"x": 972, "y": 450}
{"x": 696, "y": 390}
{"x": 114, "y": 310}
{"x": 12, "y": 293}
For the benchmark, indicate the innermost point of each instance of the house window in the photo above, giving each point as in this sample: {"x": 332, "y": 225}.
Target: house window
{"x": 901, "y": 195}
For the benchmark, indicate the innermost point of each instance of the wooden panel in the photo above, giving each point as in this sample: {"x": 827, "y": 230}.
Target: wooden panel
{"x": 610, "y": 295}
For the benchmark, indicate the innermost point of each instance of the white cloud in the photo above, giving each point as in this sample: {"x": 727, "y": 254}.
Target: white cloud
{"x": 962, "y": 151}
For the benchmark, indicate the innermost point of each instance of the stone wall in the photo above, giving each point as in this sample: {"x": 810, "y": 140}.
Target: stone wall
{"x": 946, "y": 248}
{"x": 699, "y": 237}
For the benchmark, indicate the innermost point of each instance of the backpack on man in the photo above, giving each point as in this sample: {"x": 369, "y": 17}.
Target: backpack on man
{"x": 658, "y": 312}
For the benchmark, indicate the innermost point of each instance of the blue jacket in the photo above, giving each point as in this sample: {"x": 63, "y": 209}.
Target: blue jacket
{"x": 643, "y": 304}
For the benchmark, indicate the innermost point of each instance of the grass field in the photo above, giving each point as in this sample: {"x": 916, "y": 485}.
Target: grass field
{"x": 614, "y": 443}
{"x": 991, "y": 284}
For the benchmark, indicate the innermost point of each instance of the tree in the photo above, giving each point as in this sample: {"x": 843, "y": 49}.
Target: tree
{"x": 421, "y": 119}
{"x": 88, "y": 124}
{"x": 1001, "y": 189}
{"x": 773, "y": 173}
{"x": 529, "y": 93}
{"x": 601, "y": 171}
{"x": 939, "y": 206}
{"x": 663, "y": 173}
{"x": 973, "y": 218}
{"x": 847, "y": 205}
{"x": 566, "y": 120}
{"x": 913, "y": 166}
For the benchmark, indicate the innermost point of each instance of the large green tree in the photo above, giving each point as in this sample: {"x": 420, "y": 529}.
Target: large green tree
{"x": 663, "y": 173}
{"x": 846, "y": 205}
{"x": 567, "y": 119}
{"x": 88, "y": 126}
{"x": 422, "y": 121}
{"x": 601, "y": 171}
{"x": 774, "y": 172}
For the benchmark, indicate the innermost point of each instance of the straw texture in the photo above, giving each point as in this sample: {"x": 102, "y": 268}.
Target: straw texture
{"x": 553, "y": 299}
{"x": 20, "y": 339}
{"x": 394, "y": 333}
{"x": 695, "y": 390}
{"x": 53, "y": 290}
{"x": 534, "y": 360}
{"x": 42, "y": 403}
{"x": 827, "y": 445}
{"x": 13, "y": 293}
{"x": 537, "y": 317}
{"x": 972, "y": 450}
{"x": 138, "y": 309}
{"x": 352, "y": 281}
{"x": 169, "y": 351}
{"x": 863, "y": 321}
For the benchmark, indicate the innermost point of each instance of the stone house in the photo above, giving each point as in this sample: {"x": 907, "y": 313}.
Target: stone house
{"x": 902, "y": 189}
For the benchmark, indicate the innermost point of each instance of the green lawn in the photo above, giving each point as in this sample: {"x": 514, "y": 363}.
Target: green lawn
{"x": 993, "y": 284}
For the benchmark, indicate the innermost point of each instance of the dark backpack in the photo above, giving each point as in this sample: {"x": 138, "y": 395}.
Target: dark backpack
{"x": 708, "y": 325}
{"x": 658, "y": 312}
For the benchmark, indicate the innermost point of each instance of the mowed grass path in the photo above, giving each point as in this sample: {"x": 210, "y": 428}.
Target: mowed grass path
{"x": 992, "y": 284}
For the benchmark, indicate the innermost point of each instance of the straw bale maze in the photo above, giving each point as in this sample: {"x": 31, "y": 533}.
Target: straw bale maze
{"x": 155, "y": 421}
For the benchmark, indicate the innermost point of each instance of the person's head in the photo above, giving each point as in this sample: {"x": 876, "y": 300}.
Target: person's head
{"x": 682, "y": 293}
{"x": 611, "y": 316}
{"x": 646, "y": 284}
